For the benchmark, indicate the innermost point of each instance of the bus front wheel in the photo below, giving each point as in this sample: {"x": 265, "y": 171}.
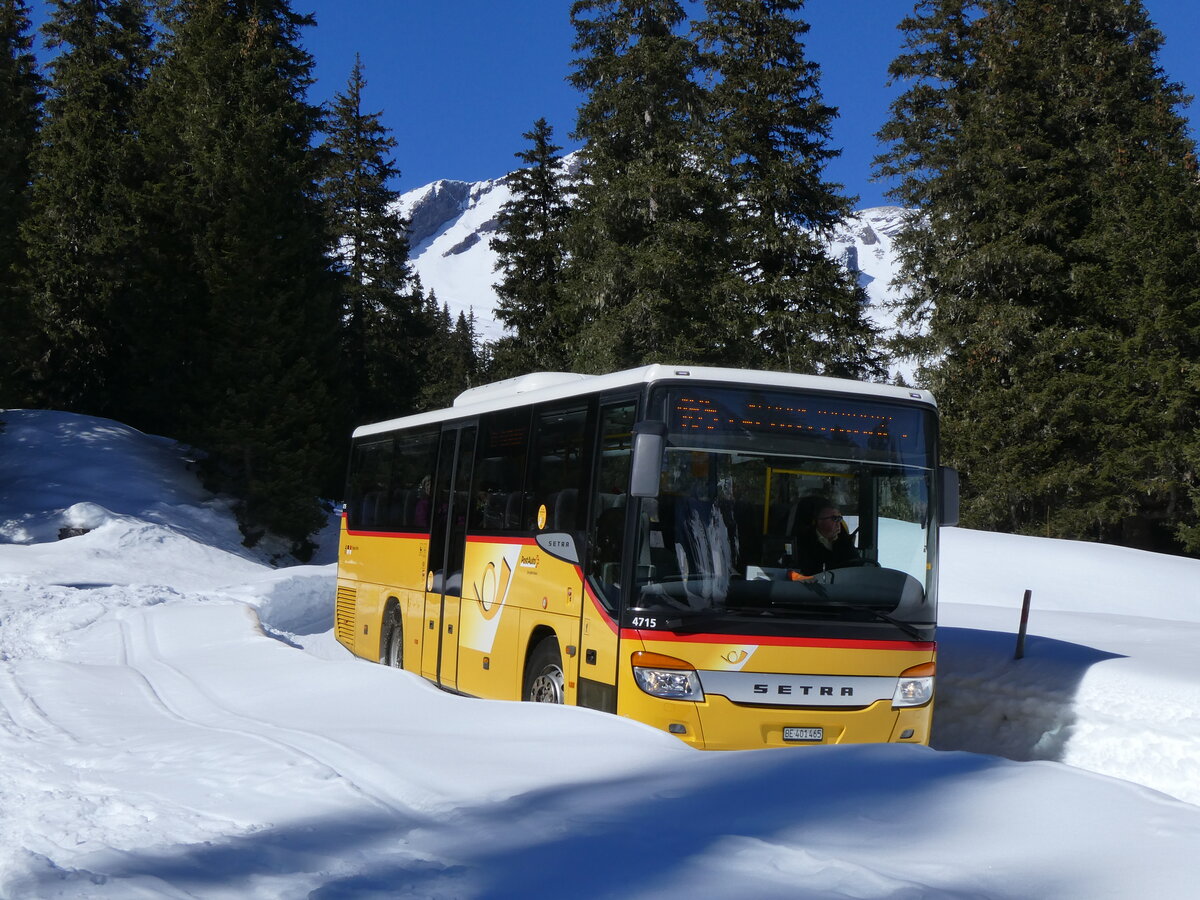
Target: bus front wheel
{"x": 544, "y": 674}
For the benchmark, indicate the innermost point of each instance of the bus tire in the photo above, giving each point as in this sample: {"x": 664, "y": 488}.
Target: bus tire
{"x": 544, "y": 673}
{"x": 393, "y": 642}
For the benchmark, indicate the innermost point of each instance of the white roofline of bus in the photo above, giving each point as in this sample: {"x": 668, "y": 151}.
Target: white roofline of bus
{"x": 540, "y": 387}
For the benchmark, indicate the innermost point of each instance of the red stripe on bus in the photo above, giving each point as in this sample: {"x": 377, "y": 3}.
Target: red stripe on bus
{"x": 608, "y": 620}
{"x": 493, "y": 539}
{"x": 417, "y": 535}
{"x": 771, "y": 641}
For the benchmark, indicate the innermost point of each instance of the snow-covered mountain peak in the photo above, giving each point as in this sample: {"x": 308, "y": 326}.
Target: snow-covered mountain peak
{"x": 452, "y": 223}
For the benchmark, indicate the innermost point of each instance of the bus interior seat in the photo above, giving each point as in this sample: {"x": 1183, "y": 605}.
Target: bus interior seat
{"x": 395, "y": 509}
{"x": 609, "y": 501}
{"x": 493, "y": 513}
{"x": 793, "y": 515}
{"x": 512, "y": 510}
{"x": 372, "y": 507}
{"x": 610, "y": 529}
{"x": 565, "y": 504}
{"x": 662, "y": 556}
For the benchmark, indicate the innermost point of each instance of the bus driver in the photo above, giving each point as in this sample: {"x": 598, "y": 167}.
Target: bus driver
{"x": 822, "y": 541}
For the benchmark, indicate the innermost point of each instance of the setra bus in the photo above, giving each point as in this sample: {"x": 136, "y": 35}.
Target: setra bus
{"x": 645, "y": 543}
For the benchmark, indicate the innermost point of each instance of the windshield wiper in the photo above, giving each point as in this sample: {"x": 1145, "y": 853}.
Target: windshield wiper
{"x": 683, "y": 621}
{"x": 825, "y": 601}
{"x": 910, "y": 630}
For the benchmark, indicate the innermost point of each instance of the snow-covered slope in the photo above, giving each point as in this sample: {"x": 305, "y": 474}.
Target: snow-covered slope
{"x": 451, "y": 230}
{"x": 864, "y": 245}
{"x": 177, "y": 720}
{"x": 453, "y": 222}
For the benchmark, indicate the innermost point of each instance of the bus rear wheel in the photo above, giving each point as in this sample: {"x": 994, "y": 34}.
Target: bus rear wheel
{"x": 544, "y": 673}
{"x": 393, "y": 647}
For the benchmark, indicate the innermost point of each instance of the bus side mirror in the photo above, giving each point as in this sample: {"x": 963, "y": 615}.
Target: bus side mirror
{"x": 947, "y": 496}
{"x": 649, "y": 439}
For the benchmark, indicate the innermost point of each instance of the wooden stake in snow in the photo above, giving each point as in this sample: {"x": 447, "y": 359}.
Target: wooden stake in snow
{"x": 1024, "y": 626}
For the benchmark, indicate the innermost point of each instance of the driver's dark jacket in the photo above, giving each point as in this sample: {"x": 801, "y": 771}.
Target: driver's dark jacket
{"x": 811, "y": 556}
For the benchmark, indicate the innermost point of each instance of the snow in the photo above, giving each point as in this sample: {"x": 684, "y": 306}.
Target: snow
{"x": 177, "y": 720}
{"x": 457, "y": 261}
{"x": 1111, "y": 679}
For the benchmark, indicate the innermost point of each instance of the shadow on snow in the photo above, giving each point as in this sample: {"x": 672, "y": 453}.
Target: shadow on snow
{"x": 638, "y": 834}
{"x": 988, "y": 702}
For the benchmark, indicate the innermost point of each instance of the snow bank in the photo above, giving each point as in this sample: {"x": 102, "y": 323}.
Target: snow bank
{"x": 176, "y": 720}
{"x": 981, "y": 568}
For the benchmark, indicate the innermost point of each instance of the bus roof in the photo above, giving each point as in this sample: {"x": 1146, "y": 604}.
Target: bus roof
{"x": 539, "y": 387}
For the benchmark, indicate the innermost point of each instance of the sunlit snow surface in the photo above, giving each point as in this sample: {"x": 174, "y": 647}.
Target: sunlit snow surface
{"x": 176, "y": 720}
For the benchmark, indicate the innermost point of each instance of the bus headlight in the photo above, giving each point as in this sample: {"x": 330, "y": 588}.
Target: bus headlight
{"x": 666, "y": 677}
{"x": 914, "y": 686}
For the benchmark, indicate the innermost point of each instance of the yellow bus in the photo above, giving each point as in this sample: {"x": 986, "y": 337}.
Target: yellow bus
{"x": 740, "y": 558}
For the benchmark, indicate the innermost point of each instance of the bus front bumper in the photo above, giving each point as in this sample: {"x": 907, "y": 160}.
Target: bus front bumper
{"x": 717, "y": 723}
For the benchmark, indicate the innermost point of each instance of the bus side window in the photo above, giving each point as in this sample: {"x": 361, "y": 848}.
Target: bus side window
{"x": 606, "y": 532}
{"x": 366, "y": 504}
{"x": 500, "y": 471}
{"x": 557, "y": 470}
{"x": 412, "y": 481}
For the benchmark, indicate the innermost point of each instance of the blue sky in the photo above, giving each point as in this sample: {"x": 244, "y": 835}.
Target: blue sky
{"x": 459, "y": 81}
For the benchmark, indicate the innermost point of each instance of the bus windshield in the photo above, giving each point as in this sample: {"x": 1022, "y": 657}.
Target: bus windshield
{"x": 776, "y": 507}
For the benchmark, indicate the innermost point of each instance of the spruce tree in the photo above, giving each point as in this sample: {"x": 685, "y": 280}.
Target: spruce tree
{"x": 83, "y": 238}
{"x": 241, "y": 242}
{"x": 1066, "y": 328}
{"x": 20, "y": 111}
{"x": 529, "y": 244}
{"x": 383, "y": 327}
{"x": 465, "y": 341}
{"x": 645, "y": 241}
{"x": 926, "y": 159}
{"x": 768, "y": 138}
{"x": 451, "y": 356}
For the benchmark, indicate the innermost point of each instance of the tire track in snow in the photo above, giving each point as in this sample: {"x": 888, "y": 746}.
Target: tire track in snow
{"x": 23, "y": 717}
{"x": 187, "y": 700}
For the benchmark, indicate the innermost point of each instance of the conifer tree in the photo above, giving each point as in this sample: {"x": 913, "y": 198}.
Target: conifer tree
{"x": 1066, "y": 328}
{"x": 768, "y": 139}
{"x": 383, "y": 326}
{"x": 531, "y": 257}
{"x": 465, "y": 342}
{"x": 645, "y": 240}
{"x": 242, "y": 240}
{"x": 83, "y": 238}
{"x": 926, "y": 159}
{"x": 20, "y": 111}
{"x": 452, "y": 356}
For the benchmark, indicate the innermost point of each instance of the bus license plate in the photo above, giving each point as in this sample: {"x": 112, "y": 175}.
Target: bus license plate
{"x": 804, "y": 734}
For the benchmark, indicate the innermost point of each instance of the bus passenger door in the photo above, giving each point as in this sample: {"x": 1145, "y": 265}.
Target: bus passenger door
{"x": 609, "y": 509}
{"x": 447, "y": 549}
